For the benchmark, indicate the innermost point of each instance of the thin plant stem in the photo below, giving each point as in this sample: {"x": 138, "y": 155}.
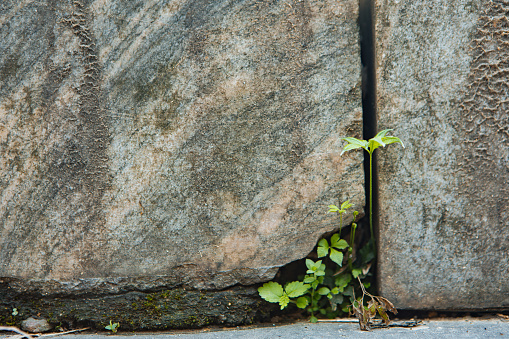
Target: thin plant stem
{"x": 350, "y": 249}
{"x": 340, "y": 223}
{"x": 371, "y": 198}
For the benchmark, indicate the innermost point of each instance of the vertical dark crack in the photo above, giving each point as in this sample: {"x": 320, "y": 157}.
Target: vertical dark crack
{"x": 368, "y": 60}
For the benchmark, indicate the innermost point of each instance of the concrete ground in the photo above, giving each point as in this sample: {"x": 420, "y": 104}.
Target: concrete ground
{"x": 496, "y": 327}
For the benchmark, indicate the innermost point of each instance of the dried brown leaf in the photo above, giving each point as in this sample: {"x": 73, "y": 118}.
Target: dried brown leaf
{"x": 359, "y": 313}
{"x": 365, "y": 270}
{"x": 372, "y": 306}
{"x": 383, "y": 314}
{"x": 387, "y": 305}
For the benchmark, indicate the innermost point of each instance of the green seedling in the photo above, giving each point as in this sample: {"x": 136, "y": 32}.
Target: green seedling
{"x": 113, "y": 327}
{"x": 314, "y": 277}
{"x": 344, "y": 206}
{"x": 381, "y": 139}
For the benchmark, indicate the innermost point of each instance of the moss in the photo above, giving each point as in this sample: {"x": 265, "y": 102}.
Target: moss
{"x": 140, "y": 311}
{"x": 9, "y": 321}
{"x": 152, "y": 308}
{"x": 165, "y": 294}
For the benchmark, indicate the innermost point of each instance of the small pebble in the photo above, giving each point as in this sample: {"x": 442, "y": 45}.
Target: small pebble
{"x": 35, "y": 325}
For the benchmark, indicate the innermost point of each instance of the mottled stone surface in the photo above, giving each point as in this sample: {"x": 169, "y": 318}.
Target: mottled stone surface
{"x": 442, "y": 82}
{"x": 165, "y": 143}
{"x": 35, "y": 325}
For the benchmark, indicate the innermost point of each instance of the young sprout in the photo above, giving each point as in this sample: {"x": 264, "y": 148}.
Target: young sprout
{"x": 344, "y": 206}
{"x": 381, "y": 139}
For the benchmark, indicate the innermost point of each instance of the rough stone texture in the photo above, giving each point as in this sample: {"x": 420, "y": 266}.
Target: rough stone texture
{"x": 166, "y": 143}
{"x": 442, "y": 82}
{"x": 35, "y": 325}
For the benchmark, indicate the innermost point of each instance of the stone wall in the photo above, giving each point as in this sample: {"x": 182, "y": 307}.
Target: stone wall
{"x": 444, "y": 209}
{"x": 151, "y": 144}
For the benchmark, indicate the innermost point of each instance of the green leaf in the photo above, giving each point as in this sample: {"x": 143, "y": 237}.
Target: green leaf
{"x": 349, "y": 147}
{"x": 334, "y": 239}
{"x": 343, "y": 280}
{"x": 296, "y": 289}
{"x": 320, "y": 273}
{"x": 314, "y": 284}
{"x": 348, "y": 291}
{"x": 323, "y": 290}
{"x": 302, "y": 302}
{"x": 335, "y": 301}
{"x": 283, "y": 301}
{"x": 323, "y": 248}
{"x": 112, "y": 327}
{"x": 271, "y": 291}
{"x": 336, "y": 256}
{"x": 355, "y": 141}
{"x": 313, "y": 319}
{"x": 315, "y": 267}
{"x": 356, "y": 272}
{"x": 340, "y": 244}
{"x": 392, "y": 140}
{"x": 310, "y": 264}
{"x": 374, "y": 144}
{"x": 320, "y": 270}
{"x": 367, "y": 253}
{"x": 309, "y": 279}
{"x": 382, "y": 133}
{"x": 333, "y": 208}
{"x": 346, "y": 205}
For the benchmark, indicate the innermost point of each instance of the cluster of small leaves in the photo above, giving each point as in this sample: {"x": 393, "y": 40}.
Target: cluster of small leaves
{"x": 334, "y": 250}
{"x": 366, "y": 313}
{"x": 321, "y": 281}
{"x": 381, "y": 139}
{"x": 325, "y": 291}
{"x": 275, "y": 293}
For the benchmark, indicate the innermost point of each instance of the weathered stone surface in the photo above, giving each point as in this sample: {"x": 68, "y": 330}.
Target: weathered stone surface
{"x": 166, "y": 143}
{"x": 442, "y": 82}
